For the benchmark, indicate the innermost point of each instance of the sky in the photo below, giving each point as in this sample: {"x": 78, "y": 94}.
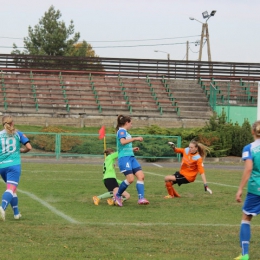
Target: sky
{"x": 138, "y": 28}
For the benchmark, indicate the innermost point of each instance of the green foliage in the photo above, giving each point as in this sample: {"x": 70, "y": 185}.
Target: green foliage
{"x": 48, "y": 142}
{"x": 52, "y": 37}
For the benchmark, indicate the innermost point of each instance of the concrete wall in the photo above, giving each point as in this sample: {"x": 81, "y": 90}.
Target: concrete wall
{"x": 96, "y": 121}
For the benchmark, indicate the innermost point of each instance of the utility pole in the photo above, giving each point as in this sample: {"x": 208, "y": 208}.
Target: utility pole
{"x": 205, "y": 33}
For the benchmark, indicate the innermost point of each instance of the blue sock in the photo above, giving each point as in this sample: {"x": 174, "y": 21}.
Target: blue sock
{"x": 6, "y": 198}
{"x": 140, "y": 189}
{"x": 123, "y": 186}
{"x": 245, "y": 234}
{"x": 14, "y": 204}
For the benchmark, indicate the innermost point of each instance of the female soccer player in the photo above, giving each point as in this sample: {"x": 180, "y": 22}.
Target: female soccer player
{"x": 191, "y": 165}
{"x": 127, "y": 162}
{"x": 251, "y": 177}
{"x": 110, "y": 180}
{"x": 10, "y": 163}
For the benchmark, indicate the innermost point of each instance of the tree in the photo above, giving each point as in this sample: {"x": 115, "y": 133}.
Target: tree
{"x": 50, "y": 36}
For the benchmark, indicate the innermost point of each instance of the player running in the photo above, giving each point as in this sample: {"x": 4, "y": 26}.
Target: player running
{"x": 10, "y": 163}
{"x": 127, "y": 162}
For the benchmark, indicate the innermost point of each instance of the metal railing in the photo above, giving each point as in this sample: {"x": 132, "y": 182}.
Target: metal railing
{"x": 172, "y": 69}
{"x": 71, "y": 145}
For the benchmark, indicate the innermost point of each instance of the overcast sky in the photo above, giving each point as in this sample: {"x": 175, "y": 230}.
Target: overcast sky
{"x": 136, "y": 28}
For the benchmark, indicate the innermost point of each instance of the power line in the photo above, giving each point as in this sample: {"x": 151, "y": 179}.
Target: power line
{"x": 120, "y": 46}
{"x": 158, "y": 39}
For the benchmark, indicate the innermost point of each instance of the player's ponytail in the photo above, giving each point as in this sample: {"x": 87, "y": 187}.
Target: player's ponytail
{"x": 121, "y": 120}
{"x": 202, "y": 149}
{"x": 8, "y": 125}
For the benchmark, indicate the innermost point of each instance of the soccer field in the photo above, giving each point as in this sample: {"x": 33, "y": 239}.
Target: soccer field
{"x": 60, "y": 220}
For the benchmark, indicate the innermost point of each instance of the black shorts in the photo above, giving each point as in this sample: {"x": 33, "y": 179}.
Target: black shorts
{"x": 110, "y": 184}
{"x": 180, "y": 179}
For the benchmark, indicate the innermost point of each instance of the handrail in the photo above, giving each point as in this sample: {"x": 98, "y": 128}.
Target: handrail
{"x": 126, "y": 67}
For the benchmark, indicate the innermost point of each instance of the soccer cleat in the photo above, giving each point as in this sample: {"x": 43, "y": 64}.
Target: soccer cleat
{"x": 143, "y": 201}
{"x": 18, "y": 216}
{"x": 118, "y": 201}
{"x": 168, "y": 197}
{"x": 242, "y": 257}
{"x": 110, "y": 202}
{"x": 96, "y": 200}
{"x": 2, "y": 214}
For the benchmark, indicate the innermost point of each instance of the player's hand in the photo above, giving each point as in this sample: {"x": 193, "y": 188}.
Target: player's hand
{"x": 172, "y": 145}
{"x": 139, "y": 138}
{"x": 136, "y": 149}
{"x": 239, "y": 196}
{"x": 206, "y": 188}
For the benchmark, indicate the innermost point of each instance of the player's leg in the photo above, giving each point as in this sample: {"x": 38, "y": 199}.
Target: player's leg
{"x": 170, "y": 180}
{"x": 12, "y": 179}
{"x": 109, "y": 183}
{"x": 125, "y": 167}
{"x": 251, "y": 208}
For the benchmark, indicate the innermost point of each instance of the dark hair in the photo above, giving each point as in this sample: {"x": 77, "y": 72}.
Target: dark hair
{"x": 108, "y": 151}
{"x": 121, "y": 120}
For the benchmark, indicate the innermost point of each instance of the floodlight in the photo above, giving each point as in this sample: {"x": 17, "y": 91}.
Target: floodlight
{"x": 213, "y": 13}
{"x": 191, "y": 18}
{"x": 205, "y": 14}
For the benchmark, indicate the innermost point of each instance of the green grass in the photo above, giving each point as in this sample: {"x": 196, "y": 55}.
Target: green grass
{"x": 61, "y": 222}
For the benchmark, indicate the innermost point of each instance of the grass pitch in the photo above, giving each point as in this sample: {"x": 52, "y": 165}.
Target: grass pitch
{"x": 60, "y": 220}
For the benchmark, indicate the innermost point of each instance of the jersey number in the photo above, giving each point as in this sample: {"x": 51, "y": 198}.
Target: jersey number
{"x": 8, "y": 145}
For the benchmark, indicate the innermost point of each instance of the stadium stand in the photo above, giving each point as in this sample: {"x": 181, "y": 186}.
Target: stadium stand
{"x": 155, "y": 90}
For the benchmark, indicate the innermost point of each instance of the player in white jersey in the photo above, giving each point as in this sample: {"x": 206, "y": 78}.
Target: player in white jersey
{"x": 10, "y": 163}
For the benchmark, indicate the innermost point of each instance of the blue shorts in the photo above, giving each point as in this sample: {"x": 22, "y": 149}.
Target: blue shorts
{"x": 11, "y": 174}
{"x": 252, "y": 204}
{"x": 128, "y": 165}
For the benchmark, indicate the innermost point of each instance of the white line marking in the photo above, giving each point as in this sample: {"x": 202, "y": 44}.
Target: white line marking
{"x": 51, "y": 208}
{"x": 165, "y": 224}
{"x": 158, "y": 165}
{"x": 215, "y": 183}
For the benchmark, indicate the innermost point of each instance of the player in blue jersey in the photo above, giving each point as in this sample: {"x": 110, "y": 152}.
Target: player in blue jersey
{"x": 251, "y": 177}
{"x": 10, "y": 163}
{"x": 127, "y": 162}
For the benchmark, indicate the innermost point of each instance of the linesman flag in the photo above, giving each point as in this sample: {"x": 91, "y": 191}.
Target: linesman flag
{"x": 102, "y": 135}
{"x": 102, "y": 132}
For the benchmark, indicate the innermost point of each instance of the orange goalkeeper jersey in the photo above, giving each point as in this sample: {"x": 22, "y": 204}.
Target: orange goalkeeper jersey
{"x": 191, "y": 164}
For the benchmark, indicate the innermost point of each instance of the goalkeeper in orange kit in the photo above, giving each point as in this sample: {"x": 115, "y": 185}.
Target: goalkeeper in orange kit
{"x": 191, "y": 165}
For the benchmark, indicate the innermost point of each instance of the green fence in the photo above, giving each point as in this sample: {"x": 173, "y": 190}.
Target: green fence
{"x": 60, "y": 145}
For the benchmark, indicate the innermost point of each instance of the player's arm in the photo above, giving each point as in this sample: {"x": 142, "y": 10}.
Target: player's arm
{"x": 124, "y": 141}
{"x": 203, "y": 176}
{"x": 246, "y": 174}
{"x": 27, "y": 148}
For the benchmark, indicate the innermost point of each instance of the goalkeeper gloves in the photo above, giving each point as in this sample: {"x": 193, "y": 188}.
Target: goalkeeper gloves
{"x": 172, "y": 145}
{"x": 206, "y": 188}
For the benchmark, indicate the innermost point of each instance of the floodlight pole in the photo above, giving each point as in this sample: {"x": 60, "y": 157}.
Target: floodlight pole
{"x": 205, "y": 34}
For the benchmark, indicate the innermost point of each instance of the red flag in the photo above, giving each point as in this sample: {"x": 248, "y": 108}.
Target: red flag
{"x": 102, "y": 132}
